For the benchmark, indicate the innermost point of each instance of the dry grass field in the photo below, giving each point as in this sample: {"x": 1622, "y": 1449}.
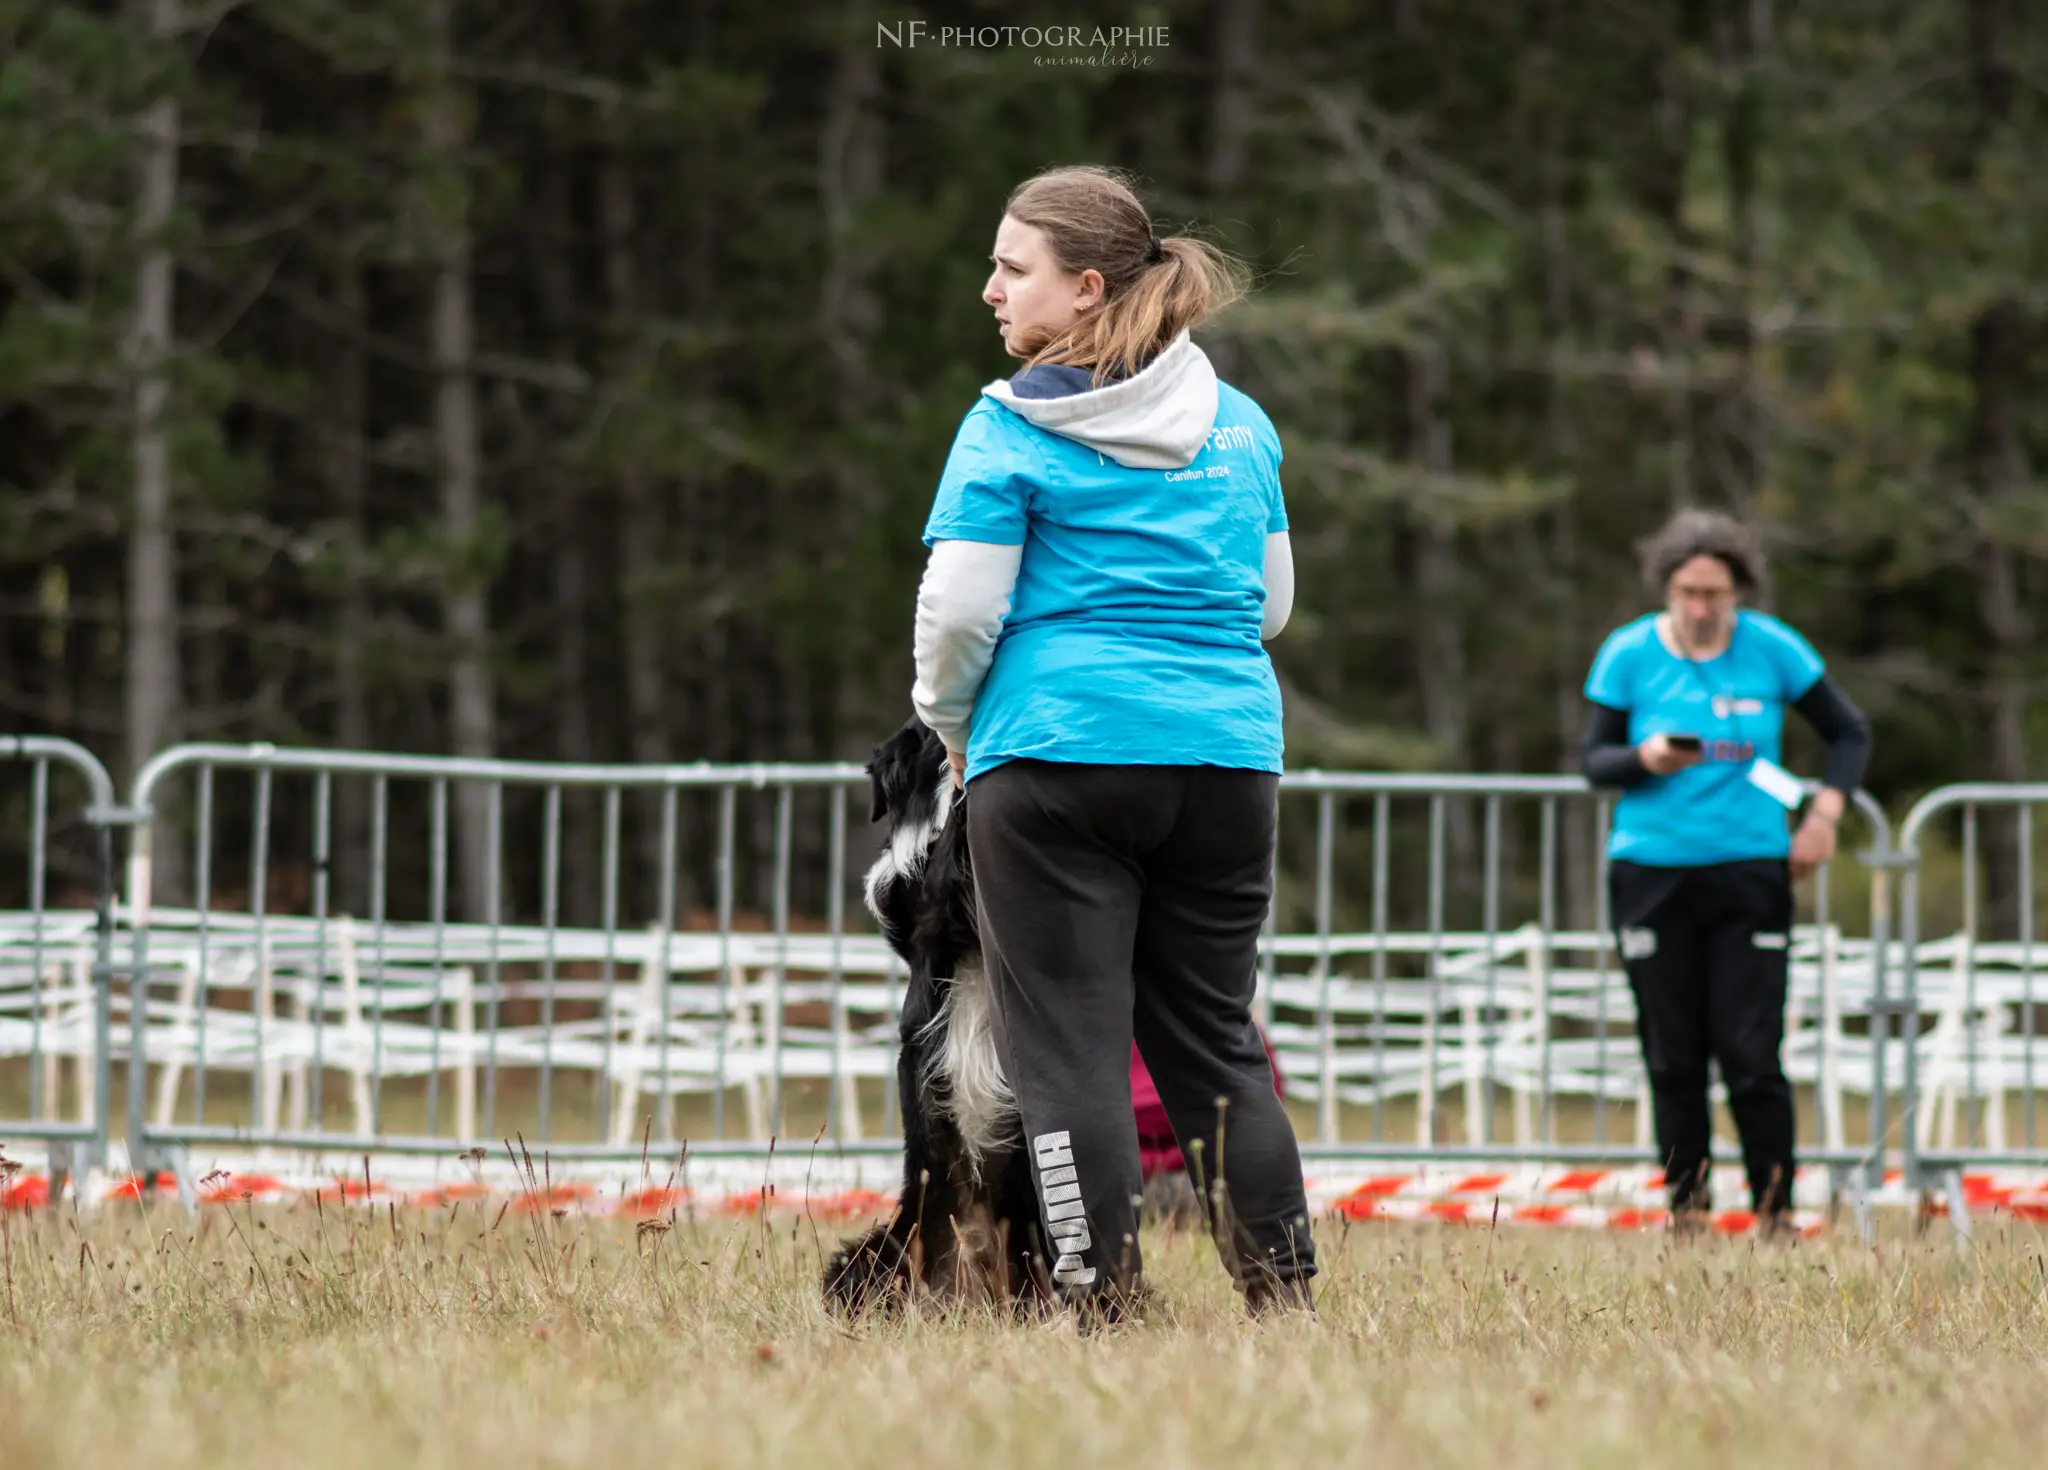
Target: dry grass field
{"x": 339, "y": 1338}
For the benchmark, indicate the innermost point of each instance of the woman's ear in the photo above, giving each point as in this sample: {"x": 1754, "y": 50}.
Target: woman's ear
{"x": 1092, "y": 288}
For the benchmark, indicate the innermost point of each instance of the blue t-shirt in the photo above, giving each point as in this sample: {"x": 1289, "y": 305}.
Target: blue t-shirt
{"x": 1133, "y": 638}
{"x": 1735, "y": 702}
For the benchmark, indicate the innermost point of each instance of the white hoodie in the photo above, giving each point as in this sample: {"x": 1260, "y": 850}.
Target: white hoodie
{"x": 1155, "y": 420}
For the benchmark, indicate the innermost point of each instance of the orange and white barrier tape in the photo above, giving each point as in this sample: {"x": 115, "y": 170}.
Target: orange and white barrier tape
{"x": 841, "y": 1189}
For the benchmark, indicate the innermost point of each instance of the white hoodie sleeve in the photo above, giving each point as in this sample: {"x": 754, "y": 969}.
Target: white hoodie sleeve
{"x": 1279, "y": 584}
{"x": 961, "y": 604}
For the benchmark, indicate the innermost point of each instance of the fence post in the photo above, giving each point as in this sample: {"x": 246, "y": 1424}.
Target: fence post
{"x": 74, "y": 1147}
{"x": 104, "y": 819}
{"x": 139, "y": 864}
{"x": 1908, "y": 1013}
{"x": 139, "y": 817}
{"x": 1881, "y": 860}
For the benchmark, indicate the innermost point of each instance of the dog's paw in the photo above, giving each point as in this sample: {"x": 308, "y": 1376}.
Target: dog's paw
{"x": 868, "y": 1274}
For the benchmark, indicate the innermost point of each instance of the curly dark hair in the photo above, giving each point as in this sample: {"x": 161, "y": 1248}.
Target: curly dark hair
{"x": 1691, "y": 533}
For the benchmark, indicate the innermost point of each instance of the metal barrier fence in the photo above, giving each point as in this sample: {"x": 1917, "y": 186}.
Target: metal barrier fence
{"x": 451, "y": 996}
{"x": 1492, "y": 1025}
{"x": 1975, "y": 1078}
{"x": 55, "y": 957}
{"x": 330, "y": 953}
{"x": 1432, "y": 1001}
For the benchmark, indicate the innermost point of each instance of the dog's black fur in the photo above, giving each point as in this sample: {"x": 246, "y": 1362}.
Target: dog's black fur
{"x": 959, "y": 1233}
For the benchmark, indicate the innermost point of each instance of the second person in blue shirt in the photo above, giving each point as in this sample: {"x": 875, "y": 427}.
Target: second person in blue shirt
{"x": 1688, "y": 708}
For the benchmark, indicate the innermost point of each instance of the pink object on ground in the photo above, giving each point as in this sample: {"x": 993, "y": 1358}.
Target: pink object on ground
{"x": 1158, "y": 1153}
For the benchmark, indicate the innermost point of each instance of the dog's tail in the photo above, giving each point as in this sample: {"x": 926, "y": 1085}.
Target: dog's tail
{"x": 964, "y": 1068}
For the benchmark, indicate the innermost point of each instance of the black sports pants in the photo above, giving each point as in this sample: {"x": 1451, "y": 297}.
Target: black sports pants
{"x": 1122, "y": 901}
{"x": 1706, "y": 955}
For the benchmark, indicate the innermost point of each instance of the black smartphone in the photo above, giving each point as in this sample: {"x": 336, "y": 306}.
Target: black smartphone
{"x": 1683, "y": 742}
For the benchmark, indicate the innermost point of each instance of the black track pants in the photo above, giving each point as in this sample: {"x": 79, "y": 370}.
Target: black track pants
{"x": 1706, "y": 955}
{"x": 1122, "y": 901}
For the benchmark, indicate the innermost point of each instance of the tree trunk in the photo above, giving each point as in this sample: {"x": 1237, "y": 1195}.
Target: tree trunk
{"x": 1440, "y": 648}
{"x": 1232, "y": 113}
{"x": 640, "y": 522}
{"x": 572, "y": 734}
{"x": 465, "y": 603}
{"x": 1999, "y": 470}
{"x": 850, "y": 178}
{"x": 153, "y": 672}
{"x": 1578, "y": 834}
{"x": 652, "y": 656}
{"x": 1440, "y": 661}
{"x": 642, "y": 533}
{"x": 348, "y": 474}
{"x": 712, "y": 512}
{"x": 1745, "y": 437}
{"x": 1665, "y": 191}
{"x": 849, "y": 312}
{"x": 555, "y": 274}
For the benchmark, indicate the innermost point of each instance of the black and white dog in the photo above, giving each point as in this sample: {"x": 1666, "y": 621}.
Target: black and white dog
{"x": 965, "y": 1225}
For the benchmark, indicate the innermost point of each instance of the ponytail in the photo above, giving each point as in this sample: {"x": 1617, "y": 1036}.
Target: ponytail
{"x": 1153, "y": 289}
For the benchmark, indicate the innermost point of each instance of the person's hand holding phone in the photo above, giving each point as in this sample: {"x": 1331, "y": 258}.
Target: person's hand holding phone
{"x": 1661, "y": 755}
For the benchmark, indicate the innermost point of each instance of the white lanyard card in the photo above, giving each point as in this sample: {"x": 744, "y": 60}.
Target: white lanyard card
{"x": 1776, "y": 782}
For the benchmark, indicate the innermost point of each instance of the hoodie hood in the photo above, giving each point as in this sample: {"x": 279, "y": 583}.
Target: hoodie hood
{"x": 1156, "y": 419}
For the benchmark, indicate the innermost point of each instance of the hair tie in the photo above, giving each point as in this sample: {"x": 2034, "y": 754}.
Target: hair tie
{"x": 1156, "y": 252}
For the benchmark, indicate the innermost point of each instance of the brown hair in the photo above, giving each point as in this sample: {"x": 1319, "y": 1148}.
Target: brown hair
{"x": 1692, "y": 533}
{"x": 1153, "y": 289}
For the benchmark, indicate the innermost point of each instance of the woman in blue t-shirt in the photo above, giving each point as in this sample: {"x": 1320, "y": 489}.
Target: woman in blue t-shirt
{"x": 1688, "y": 707}
{"x": 1108, "y": 551}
